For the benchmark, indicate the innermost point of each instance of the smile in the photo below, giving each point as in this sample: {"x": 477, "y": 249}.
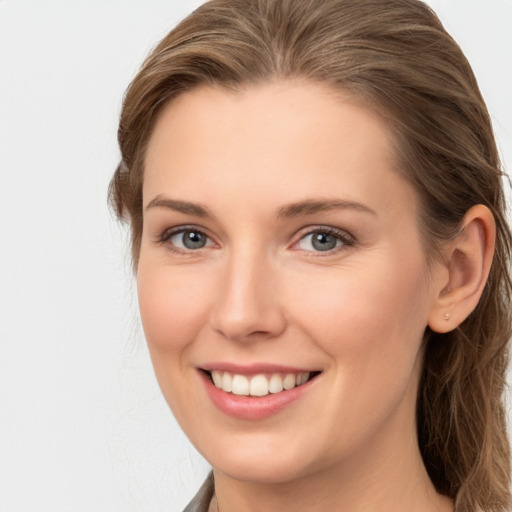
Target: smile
{"x": 255, "y": 392}
{"x": 258, "y": 385}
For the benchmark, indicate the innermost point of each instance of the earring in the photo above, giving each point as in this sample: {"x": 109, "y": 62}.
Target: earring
{"x": 446, "y": 316}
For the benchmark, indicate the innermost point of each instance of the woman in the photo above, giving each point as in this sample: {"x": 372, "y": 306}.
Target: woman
{"x": 321, "y": 252}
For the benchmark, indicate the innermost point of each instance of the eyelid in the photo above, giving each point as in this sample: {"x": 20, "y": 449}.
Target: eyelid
{"x": 347, "y": 239}
{"x": 165, "y": 236}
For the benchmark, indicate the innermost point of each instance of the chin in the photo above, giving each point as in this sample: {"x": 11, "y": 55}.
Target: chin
{"x": 259, "y": 462}
{"x": 263, "y": 472}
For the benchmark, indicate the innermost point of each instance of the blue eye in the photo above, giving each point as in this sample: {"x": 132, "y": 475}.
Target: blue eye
{"x": 322, "y": 241}
{"x": 189, "y": 239}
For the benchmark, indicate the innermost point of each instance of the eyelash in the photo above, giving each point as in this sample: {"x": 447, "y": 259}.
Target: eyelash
{"x": 165, "y": 237}
{"x": 346, "y": 239}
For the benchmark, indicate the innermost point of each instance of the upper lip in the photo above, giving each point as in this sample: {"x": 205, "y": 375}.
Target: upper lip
{"x": 254, "y": 368}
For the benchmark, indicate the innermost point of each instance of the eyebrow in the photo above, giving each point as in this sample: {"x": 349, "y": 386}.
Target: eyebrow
{"x": 312, "y": 206}
{"x": 179, "y": 206}
{"x": 306, "y": 207}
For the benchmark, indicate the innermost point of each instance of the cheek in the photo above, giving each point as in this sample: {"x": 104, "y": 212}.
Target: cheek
{"x": 172, "y": 315}
{"x": 170, "y": 308}
{"x": 369, "y": 317}
{"x": 370, "y": 324}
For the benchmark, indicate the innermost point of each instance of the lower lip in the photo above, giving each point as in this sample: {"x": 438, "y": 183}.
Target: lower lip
{"x": 252, "y": 407}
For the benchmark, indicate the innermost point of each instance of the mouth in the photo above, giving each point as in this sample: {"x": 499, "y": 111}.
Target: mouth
{"x": 260, "y": 384}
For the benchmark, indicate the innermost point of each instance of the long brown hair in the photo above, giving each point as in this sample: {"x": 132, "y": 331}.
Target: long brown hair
{"x": 397, "y": 58}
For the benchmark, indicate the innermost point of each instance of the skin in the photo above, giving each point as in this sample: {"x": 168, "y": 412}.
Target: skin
{"x": 258, "y": 291}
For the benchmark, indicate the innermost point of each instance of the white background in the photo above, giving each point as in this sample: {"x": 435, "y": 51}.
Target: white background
{"x": 82, "y": 424}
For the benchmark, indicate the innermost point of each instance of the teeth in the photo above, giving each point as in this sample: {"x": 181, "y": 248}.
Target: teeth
{"x": 289, "y": 381}
{"x": 276, "y": 384}
{"x": 240, "y": 385}
{"x": 227, "y": 380}
{"x": 258, "y": 385}
{"x": 217, "y": 378}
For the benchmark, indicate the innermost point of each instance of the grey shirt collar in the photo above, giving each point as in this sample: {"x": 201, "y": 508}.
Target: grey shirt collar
{"x": 201, "y": 500}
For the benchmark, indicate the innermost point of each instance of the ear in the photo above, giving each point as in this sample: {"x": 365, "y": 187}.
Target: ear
{"x": 466, "y": 265}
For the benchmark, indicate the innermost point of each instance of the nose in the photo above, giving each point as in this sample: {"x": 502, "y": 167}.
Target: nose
{"x": 248, "y": 306}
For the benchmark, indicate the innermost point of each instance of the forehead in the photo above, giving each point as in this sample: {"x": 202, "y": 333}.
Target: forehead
{"x": 272, "y": 141}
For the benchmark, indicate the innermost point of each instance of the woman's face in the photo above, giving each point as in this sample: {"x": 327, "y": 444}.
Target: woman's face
{"x": 280, "y": 244}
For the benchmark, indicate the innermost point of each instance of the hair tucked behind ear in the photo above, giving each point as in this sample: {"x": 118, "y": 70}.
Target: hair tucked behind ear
{"x": 395, "y": 56}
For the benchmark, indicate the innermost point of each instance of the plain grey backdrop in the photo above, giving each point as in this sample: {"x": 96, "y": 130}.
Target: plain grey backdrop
{"x": 82, "y": 424}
